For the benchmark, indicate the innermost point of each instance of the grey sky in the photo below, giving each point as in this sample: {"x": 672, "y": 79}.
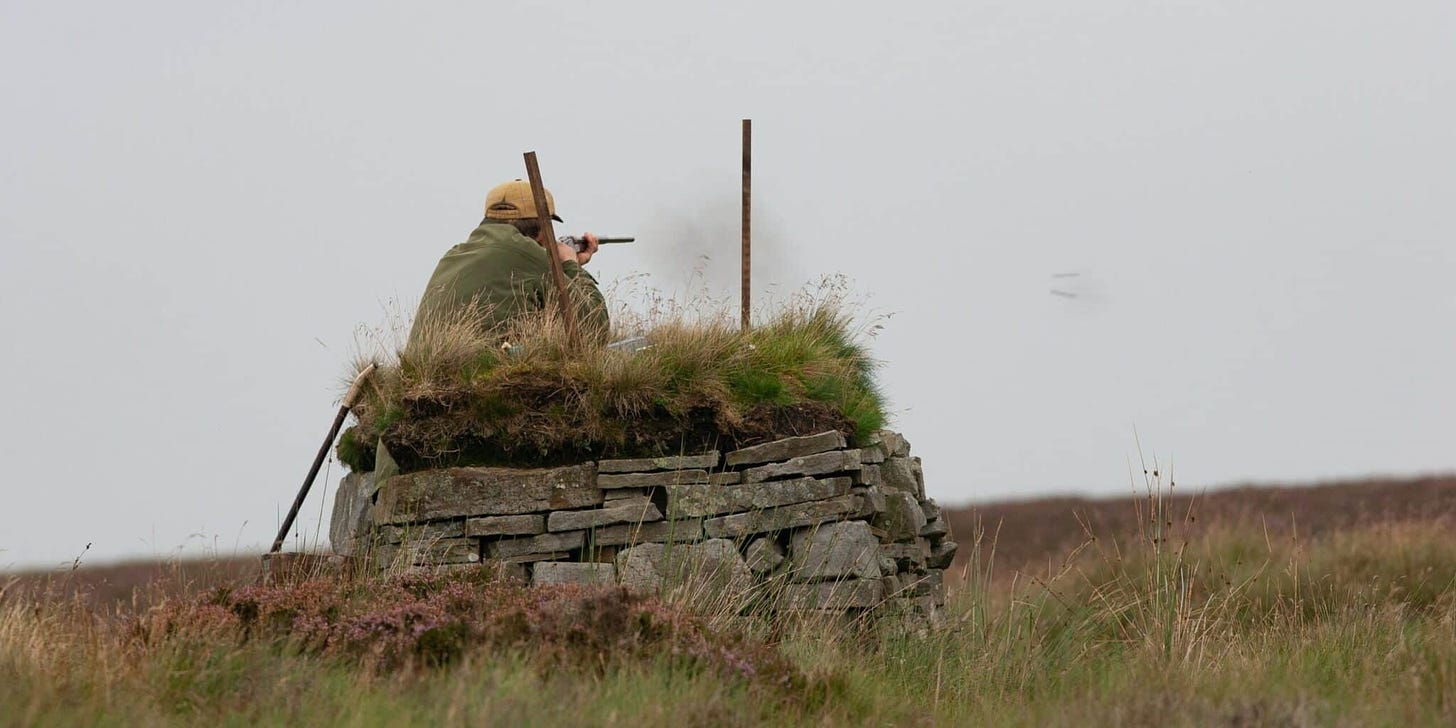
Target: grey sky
{"x": 200, "y": 204}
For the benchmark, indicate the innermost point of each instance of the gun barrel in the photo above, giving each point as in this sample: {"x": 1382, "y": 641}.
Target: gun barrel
{"x": 580, "y": 243}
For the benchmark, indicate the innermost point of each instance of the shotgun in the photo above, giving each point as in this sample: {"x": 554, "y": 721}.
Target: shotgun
{"x": 580, "y": 243}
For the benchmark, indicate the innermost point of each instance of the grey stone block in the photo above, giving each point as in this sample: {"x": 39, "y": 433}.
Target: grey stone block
{"x": 895, "y": 444}
{"x": 578, "y": 520}
{"x": 888, "y": 567}
{"x": 834, "y": 551}
{"x": 934, "y": 528}
{"x": 457, "y": 492}
{"x": 714, "y": 565}
{"x": 627, "y": 534}
{"x": 528, "y": 524}
{"x": 647, "y": 480}
{"x": 872, "y": 503}
{"x": 942, "y": 555}
{"x": 909, "y": 615}
{"x": 434, "y": 569}
{"x": 610, "y": 497}
{"x": 931, "y": 509}
{"x": 886, "y": 444}
{"x": 847, "y": 594}
{"x": 764, "y": 555}
{"x": 688, "y": 501}
{"x": 907, "y": 556}
{"x": 898, "y": 474}
{"x": 931, "y": 584}
{"x": 442, "y": 551}
{"x": 780, "y": 518}
{"x": 902, "y": 519}
{"x": 350, "y": 518}
{"x": 868, "y": 475}
{"x": 645, "y": 465}
{"x": 718, "y": 562}
{"x": 505, "y": 571}
{"x": 544, "y": 543}
{"x": 731, "y": 477}
{"x": 786, "y": 449}
{"x": 423, "y": 532}
{"x": 891, "y": 585}
{"x": 837, "y": 461}
{"x": 520, "y": 559}
{"x": 637, "y": 567}
{"x": 384, "y": 556}
{"x": 636, "y": 501}
{"x": 555, "y": 572}
{"x": 872, "y": 455}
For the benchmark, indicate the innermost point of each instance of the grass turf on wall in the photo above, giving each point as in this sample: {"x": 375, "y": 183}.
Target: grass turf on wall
{"x": 454, "y": 396}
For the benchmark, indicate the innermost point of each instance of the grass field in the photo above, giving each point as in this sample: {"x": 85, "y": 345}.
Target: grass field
{"x": 1228, "y": 618}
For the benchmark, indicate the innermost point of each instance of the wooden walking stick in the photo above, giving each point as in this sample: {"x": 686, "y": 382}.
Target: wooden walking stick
{"x": 548, "y": 241}
{"x": 350, "y": 399}
{"x": 747, "y": 199}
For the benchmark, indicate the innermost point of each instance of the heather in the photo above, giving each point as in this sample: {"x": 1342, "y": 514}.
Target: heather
{"x": 419, "y": 621}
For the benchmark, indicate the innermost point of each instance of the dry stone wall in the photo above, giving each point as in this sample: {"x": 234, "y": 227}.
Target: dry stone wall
{"x": 806, "y": 523}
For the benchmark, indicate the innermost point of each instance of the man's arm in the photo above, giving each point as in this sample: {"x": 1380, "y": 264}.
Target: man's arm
{"x": 592, "y": 318}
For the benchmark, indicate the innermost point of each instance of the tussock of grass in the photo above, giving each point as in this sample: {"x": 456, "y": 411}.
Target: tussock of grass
{"x": 454, "y": 396}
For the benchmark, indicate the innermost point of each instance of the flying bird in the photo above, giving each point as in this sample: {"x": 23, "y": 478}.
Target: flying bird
{"x": 1064, "y": 294}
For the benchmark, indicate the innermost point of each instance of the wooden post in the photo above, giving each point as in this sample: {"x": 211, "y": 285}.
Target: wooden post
{"x": 548, "y": 241}
{"x": 350, "y": 399}
{"x": 747, "y": 232}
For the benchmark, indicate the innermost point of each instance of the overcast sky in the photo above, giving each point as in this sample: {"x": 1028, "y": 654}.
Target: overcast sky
{"x": 200, "y": 203}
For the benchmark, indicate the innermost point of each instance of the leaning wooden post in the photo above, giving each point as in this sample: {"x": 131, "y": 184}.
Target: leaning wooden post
{"x": 350, "y": 399}
{"x": 548, "y": 241}
{"x": 747, "y": 233}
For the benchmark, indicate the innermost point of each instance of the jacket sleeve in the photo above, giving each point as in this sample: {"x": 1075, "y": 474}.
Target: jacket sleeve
{"x": 591, "y": 307}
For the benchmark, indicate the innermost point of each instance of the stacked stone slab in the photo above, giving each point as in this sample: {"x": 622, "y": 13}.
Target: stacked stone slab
{"x": 808, "y": 522}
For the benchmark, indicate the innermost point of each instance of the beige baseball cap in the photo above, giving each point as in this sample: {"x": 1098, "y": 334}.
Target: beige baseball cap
{"x": 514, "y": 201}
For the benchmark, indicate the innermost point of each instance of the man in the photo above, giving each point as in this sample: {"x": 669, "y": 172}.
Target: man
{"x": 502, "y": 270}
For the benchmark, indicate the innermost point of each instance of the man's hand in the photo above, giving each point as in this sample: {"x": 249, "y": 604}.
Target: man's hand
{"x": 566, "y": 252}
{"x": 591, "y": 248}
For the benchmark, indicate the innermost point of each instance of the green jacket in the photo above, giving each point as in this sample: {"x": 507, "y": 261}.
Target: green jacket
{"x": 504, "y": 274}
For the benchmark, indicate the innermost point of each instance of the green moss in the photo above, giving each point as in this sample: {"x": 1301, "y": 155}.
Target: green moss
{"x": 358, "y": 455}
{"x": 483, "y": 364}
{"x": 760, "y": 387}
{"x": 392, "y": 414}
{"x": 492, "y": 407}
{"x": 826, "y": 388}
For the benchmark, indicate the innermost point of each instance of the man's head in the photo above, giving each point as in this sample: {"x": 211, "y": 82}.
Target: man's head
{"x": 513, "y": 204}
{"x": 513, "y": 201}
